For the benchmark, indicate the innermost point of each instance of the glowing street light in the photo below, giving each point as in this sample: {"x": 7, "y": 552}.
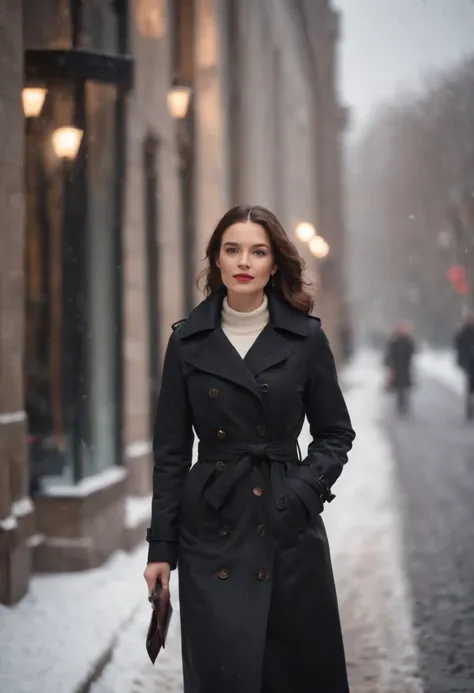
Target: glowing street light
{"x": 319, "y": 247}
{"x": 305, "y": 231}
{"x": 179, "y": 98}
{"x": 33, "y": 100}
{"x": 66, "y": 142}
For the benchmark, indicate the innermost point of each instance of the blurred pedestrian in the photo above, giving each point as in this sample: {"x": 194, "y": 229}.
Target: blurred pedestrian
{"x": 398, "y": 360}
{"x": 464, "y": 347}
{"x": 258, "y": 602}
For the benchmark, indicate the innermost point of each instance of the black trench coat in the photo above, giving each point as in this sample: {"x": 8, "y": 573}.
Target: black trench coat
{"x": 258, "y": 604}
{"x": 399, "y": 359}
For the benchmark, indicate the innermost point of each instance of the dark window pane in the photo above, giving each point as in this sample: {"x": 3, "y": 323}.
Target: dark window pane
{"x": 49, "y": 401}
{"x": 100, "y": 25}
{"x": 101, "y": 274}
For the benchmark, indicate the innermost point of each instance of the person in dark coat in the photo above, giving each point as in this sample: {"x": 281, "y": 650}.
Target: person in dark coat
{"x": 464, "y": 346}
{"x": 258, "y": 604}
{"x": 398, "y": 360}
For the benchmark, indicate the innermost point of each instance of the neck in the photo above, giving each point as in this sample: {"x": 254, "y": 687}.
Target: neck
{"x": 245, "y": 303}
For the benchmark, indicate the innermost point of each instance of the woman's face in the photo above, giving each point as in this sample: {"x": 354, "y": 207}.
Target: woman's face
{"x": 245, "y": 258}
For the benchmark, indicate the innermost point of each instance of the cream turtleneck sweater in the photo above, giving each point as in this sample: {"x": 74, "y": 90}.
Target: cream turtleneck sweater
{"x": 242, "y": 329}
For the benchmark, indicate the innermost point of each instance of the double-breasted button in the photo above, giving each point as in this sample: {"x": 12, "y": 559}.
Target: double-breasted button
{"x": 264, "y": 387}
{"x": 260, "y": 430}
{"x": 257, "y": 491}
{"x": 224, "y": 530}
{"x": 260, "y": 530}
{"x": 220, "y": 465}
{"x": 221, "y": 433}
{"x": 213, "y": 393}
{"x": 223, "y": 574}
{"x": 263, "y": 575}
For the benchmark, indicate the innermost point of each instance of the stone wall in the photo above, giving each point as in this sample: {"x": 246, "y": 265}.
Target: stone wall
{"x": 15, "y": 511}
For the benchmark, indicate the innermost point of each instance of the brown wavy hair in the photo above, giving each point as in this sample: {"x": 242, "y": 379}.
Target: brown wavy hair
{"x": 288, "y": 280}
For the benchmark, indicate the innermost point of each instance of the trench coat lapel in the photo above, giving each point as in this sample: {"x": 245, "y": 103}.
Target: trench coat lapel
{"x": 269, "y": 349}
{"x": 215, "y": 354}
{"x": 272, "y": 347}
{"x": 206, "y": 347}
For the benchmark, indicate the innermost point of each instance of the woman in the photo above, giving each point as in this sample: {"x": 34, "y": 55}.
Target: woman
{"x": 258, "y": 604}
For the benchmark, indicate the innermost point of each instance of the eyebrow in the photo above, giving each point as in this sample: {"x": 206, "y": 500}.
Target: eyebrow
{"x": 255, "y": 245}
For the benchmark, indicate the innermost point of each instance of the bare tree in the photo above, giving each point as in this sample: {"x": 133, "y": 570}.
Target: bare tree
{"x": 413, "y": 165}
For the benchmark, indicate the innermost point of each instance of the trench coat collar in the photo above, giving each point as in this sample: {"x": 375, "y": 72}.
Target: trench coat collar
{"x": 213, "y": 353}
{"x": 207, "y": 315}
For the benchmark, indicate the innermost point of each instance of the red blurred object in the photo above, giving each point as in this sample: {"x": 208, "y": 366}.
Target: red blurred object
{"x": 457, "y": 277}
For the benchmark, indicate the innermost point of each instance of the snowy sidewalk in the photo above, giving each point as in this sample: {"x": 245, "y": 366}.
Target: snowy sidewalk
{"x": 55, "y": 638}
{"x": 363, "y": 525}
{"x": 440, "y": 364}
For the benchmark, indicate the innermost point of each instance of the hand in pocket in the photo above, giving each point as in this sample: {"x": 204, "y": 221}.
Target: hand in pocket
{"x": 304, "y": 500}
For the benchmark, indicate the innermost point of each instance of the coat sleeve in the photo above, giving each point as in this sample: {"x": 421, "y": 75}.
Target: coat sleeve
{"x": 330, "y": 425}
{"x": 172, "y": 453}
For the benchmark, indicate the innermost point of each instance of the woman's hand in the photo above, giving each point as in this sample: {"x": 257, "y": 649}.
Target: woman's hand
{"x": 157, "y": 571}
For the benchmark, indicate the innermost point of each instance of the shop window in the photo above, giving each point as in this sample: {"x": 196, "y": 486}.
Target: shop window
{"x": 94, "y": 25}
{"x": 100, "y": 25}
{"x": 72, "y": 255}
{"x": 76, "y": 53}
{"x": 100, "y": 274}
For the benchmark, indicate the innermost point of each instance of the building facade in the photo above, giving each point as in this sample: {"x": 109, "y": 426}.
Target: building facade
{"x": 107, "y": 202}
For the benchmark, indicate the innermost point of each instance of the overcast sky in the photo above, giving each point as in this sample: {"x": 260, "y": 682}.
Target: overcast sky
{"x": 388, "y": 45}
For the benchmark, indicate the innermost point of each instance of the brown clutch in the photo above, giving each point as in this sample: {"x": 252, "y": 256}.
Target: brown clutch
{"x": 162, "y": 611}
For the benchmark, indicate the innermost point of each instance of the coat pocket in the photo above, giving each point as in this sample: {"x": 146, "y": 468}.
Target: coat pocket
{"x": 303, "y": 493}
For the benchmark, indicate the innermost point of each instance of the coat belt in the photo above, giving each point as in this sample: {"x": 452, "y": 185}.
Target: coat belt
{"x": 240, "y": 459}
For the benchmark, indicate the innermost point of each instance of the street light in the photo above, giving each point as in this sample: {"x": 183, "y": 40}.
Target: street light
{"x": 179, "y": 97}
{"x": 305, "y": 231}
{"x": 66, "y": 142}
{"x": 33, "y": 100}
{"x": 319, "y": 247}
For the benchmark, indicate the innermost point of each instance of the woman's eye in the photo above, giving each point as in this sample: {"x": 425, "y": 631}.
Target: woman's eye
{"x": 231, "y": 251}
{"x": 261, "y": 253}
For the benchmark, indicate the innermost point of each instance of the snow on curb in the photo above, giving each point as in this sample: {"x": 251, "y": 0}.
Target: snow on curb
{"x": 62, "y": 631}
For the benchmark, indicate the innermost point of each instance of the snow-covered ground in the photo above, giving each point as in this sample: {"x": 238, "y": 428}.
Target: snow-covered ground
{"x": 364, "y": 530}
{"x": 54, "y": 638}
{"x": 442, "y": 366}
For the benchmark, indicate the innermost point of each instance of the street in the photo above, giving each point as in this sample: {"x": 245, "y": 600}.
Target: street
{"x": 434, "y": 451}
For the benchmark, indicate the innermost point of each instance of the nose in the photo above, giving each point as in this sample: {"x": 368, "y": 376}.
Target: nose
{"x": 243, "y": 262}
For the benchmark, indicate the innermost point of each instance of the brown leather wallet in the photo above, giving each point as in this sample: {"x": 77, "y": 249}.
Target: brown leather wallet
{"x": 162, "y": 611}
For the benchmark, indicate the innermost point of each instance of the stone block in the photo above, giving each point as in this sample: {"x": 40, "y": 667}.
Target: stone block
{"x": 15, "y": 569}
{"x": 81, "y": 531}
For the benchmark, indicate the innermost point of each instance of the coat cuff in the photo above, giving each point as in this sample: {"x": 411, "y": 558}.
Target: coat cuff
{"x": 317, "y": 480}
{"x": 163, "y": 552}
